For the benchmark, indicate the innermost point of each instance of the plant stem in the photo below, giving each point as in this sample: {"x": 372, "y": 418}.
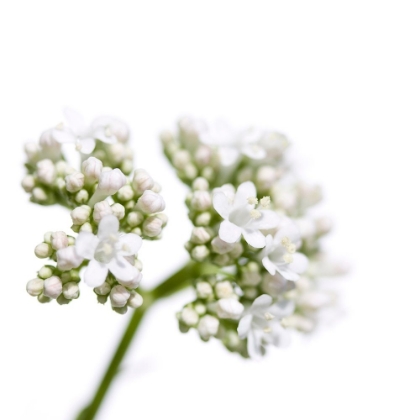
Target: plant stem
{"x": 178, "y": 281}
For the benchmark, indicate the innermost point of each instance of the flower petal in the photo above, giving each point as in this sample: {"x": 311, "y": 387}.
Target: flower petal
{"x": 299, "y": 263}
{"x": 261, "y": 303}
{"x": 282, "y": 309}
{"x": 269, "y": 265}
{"x": 244, "y": 326}
{"x": 254, "y": 238}
{"x": 86, "y": 244}
{"x": 269, "y": 219}
{"x": 87, "y": 145}
{"x": 221, "y": 204}
{"x": 229, "y": 232}
{"x": 75, "y": 120}
{"x": 254, "y": 151}
{"x": 95, "y": 273}
{"x": 108, "y": 225}
{"x": 245, "y": 190}
{"x": 122, "y": 269}
{"x": 63, "y": 136}
{"x": 130, "y": 244}
{"x": 288, "y": 274}
{"x": 228, "y": 155}
{"x": 287, "y": 228}
{"x": 254, "y": 347}
{"x": 100, "y": 134}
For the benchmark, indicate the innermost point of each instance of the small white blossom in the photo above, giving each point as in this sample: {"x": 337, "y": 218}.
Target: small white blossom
{"x": 189, "y": 316}
{"x": 152, "y": 226}
{"x": 81, "y": 134}
{"x": 260, "y": 324}
{"x": 35, "y": 287}
{"x": 100, "y": 210}
{"x": 80, "y": 215}
{"x": 142, "y": 181}
{"x": 46, "y": 171}
{"x": 119, "y": 296}
{"x": 135, "y": 300}
{"x": 241, "y": 216}
{"x": 111, "y": 181}
{"x": 107, "y": 251}
{"x": 43, "y": 250}
{"x": 71, "y": 290}
{"x": 280, "y": 254}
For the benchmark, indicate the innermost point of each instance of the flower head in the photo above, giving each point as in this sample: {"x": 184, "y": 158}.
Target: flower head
{"x": 107, "y": 251}
{"x": 241, "y": 216}
{"x": 260, "y": 324}
{"x": 279, "y": 254}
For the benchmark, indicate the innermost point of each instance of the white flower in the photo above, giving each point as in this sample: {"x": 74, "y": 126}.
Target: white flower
{"x": 75, "y": 182}
{"x": 59, "y": 240}
{"x": 241, "y": 216}
{"x": 151, "y": 202}
{"x": 107, "y": 251}
{"x": 280, "y": 253}
{"x": 260, "y": 324}
{"x": 53, "y": 287}
{"x": 100, "y": 210}
{"x": 81, "y": 134}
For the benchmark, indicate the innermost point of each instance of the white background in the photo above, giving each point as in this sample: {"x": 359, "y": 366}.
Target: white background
{"x": 340, "y": 78}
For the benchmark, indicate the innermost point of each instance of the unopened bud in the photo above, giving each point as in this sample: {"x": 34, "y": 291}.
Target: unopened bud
{"x": 204, "y": 290}
{"x": 135, "y": 300}
{"x": 100, "y": 210}
{"x": 151, "y": 202}
{"x": 111, "y": 181}
{"x": 125, "y": 193}
{"x": 28, "y": 183}
{"x": 152, "y": 226}
{"x": 208, "y": 326}
{"x": 118, "y": 210}
{"x": 119, "y": 296}
{"x": 74, "y": 182}
{"x": 35, "y": 287}
{"x": 43, "y": 250}
{"x": 67, "y": 258}
{"x": 142, "y": 181}
{"x": 59, "y": 240}
{"x": 201, "y": 200}
{"x": 134, "y": 218}
{"x": 46, "y": 171}
{"x": 45, "y": 272}
{"x": 224, "y": 289}
{"x": 189, "y": 317}
{"x": 229, "y": 308}
{"x": 200, "y": 184}
{"x": 53, "y": 287}
{"x": 200, "y": 253}
{"x": 221, "y": 247}
{"x": 71, "y": 290}
{"x": 80, "y": 215}
{"x": 103, "y": 289}
{"x": 200, "y": 235}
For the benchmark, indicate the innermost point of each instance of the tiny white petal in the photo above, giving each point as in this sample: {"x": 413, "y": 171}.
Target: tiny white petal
{"x": 95, "y": 273}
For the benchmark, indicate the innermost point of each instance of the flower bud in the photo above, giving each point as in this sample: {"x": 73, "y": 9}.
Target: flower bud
{"x": 203, "y": 155}
{"x": 117, "y": 151}
{"x": 229, "y": 308}
{"x": 80, "y": 215}
{"x": 204, "y": 290}
{"x": 180, "y": 159}
{"x": 266, "y": 177}
{"x": 142, "y": 181}
{"x": 221, "y": 247}
{"x": 135, "y": 300}
{"x": 119, "y": 296}
{"x": 45, "y": 272}
{"x": 62, "y": 168}
{"x": 200, "y": 184}
{"x": 116, "y": 127}
{"x": 189, "y": 317}
{"x": 134, "y": 283}
{"x": 152, "y": 226}
{"x": 203, "y": 219}
{"x": 201, "y": 200}
{"x": 35, "y": 287}
{"x": 39, "y": 195}
{"x": 82, "y": 197}
{"x": 125, "y": 193}
{"x": 200, "y": 253}
{"x": 46, "y": 171}
{"x": 134, "y": 218}
{"x": 31, "y": 150}
{"x": 43, "y": 299}
{"x": 67, "y": 258}
{"x": 74, "y": 182}
{"x": 251, "y": 274}
{"x": 28, "y": 183}
{"x": 53, "y": 287}
{"x": 118, "y": 210}
{"x": 151, "y": 202}
{"x": 111, "y": 181}
{"x": 71, "y": 290}
{"x": 208, "y": 326}
{"x": 43, "y": 250}
{"x": 101, "y": 210}
{"x": 86, "y": 227}
{"x": 224, "y": 289}
{"x": 103, "y": 289}
{"x": 190, "y": 171}
{"x": 59, "y": 240}
{"x": 200, "y": 235}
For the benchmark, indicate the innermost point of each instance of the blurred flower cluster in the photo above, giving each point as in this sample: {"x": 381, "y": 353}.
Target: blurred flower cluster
{"x": 110, "y": 212}
{"x": 255, "y": 231}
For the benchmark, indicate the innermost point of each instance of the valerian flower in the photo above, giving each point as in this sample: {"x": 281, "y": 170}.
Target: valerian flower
{"x": 107, "y": 251}
{"x": 260, "y": 324}
{"x": 83, "y": 135}
{"x": 279, "y": 254}
{"x": 240, "y": 215}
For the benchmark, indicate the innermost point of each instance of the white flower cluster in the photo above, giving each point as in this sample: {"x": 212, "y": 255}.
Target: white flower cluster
{"x": 110, "y": 212}
{"x": 253, "y": 226}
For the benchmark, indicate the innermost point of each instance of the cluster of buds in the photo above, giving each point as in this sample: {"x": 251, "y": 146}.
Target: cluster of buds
{"x": 253, "y": 223}
{"x": 111, "y": 212}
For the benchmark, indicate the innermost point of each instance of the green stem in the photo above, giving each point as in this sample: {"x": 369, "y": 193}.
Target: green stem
{"x": 178, "y": 281}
